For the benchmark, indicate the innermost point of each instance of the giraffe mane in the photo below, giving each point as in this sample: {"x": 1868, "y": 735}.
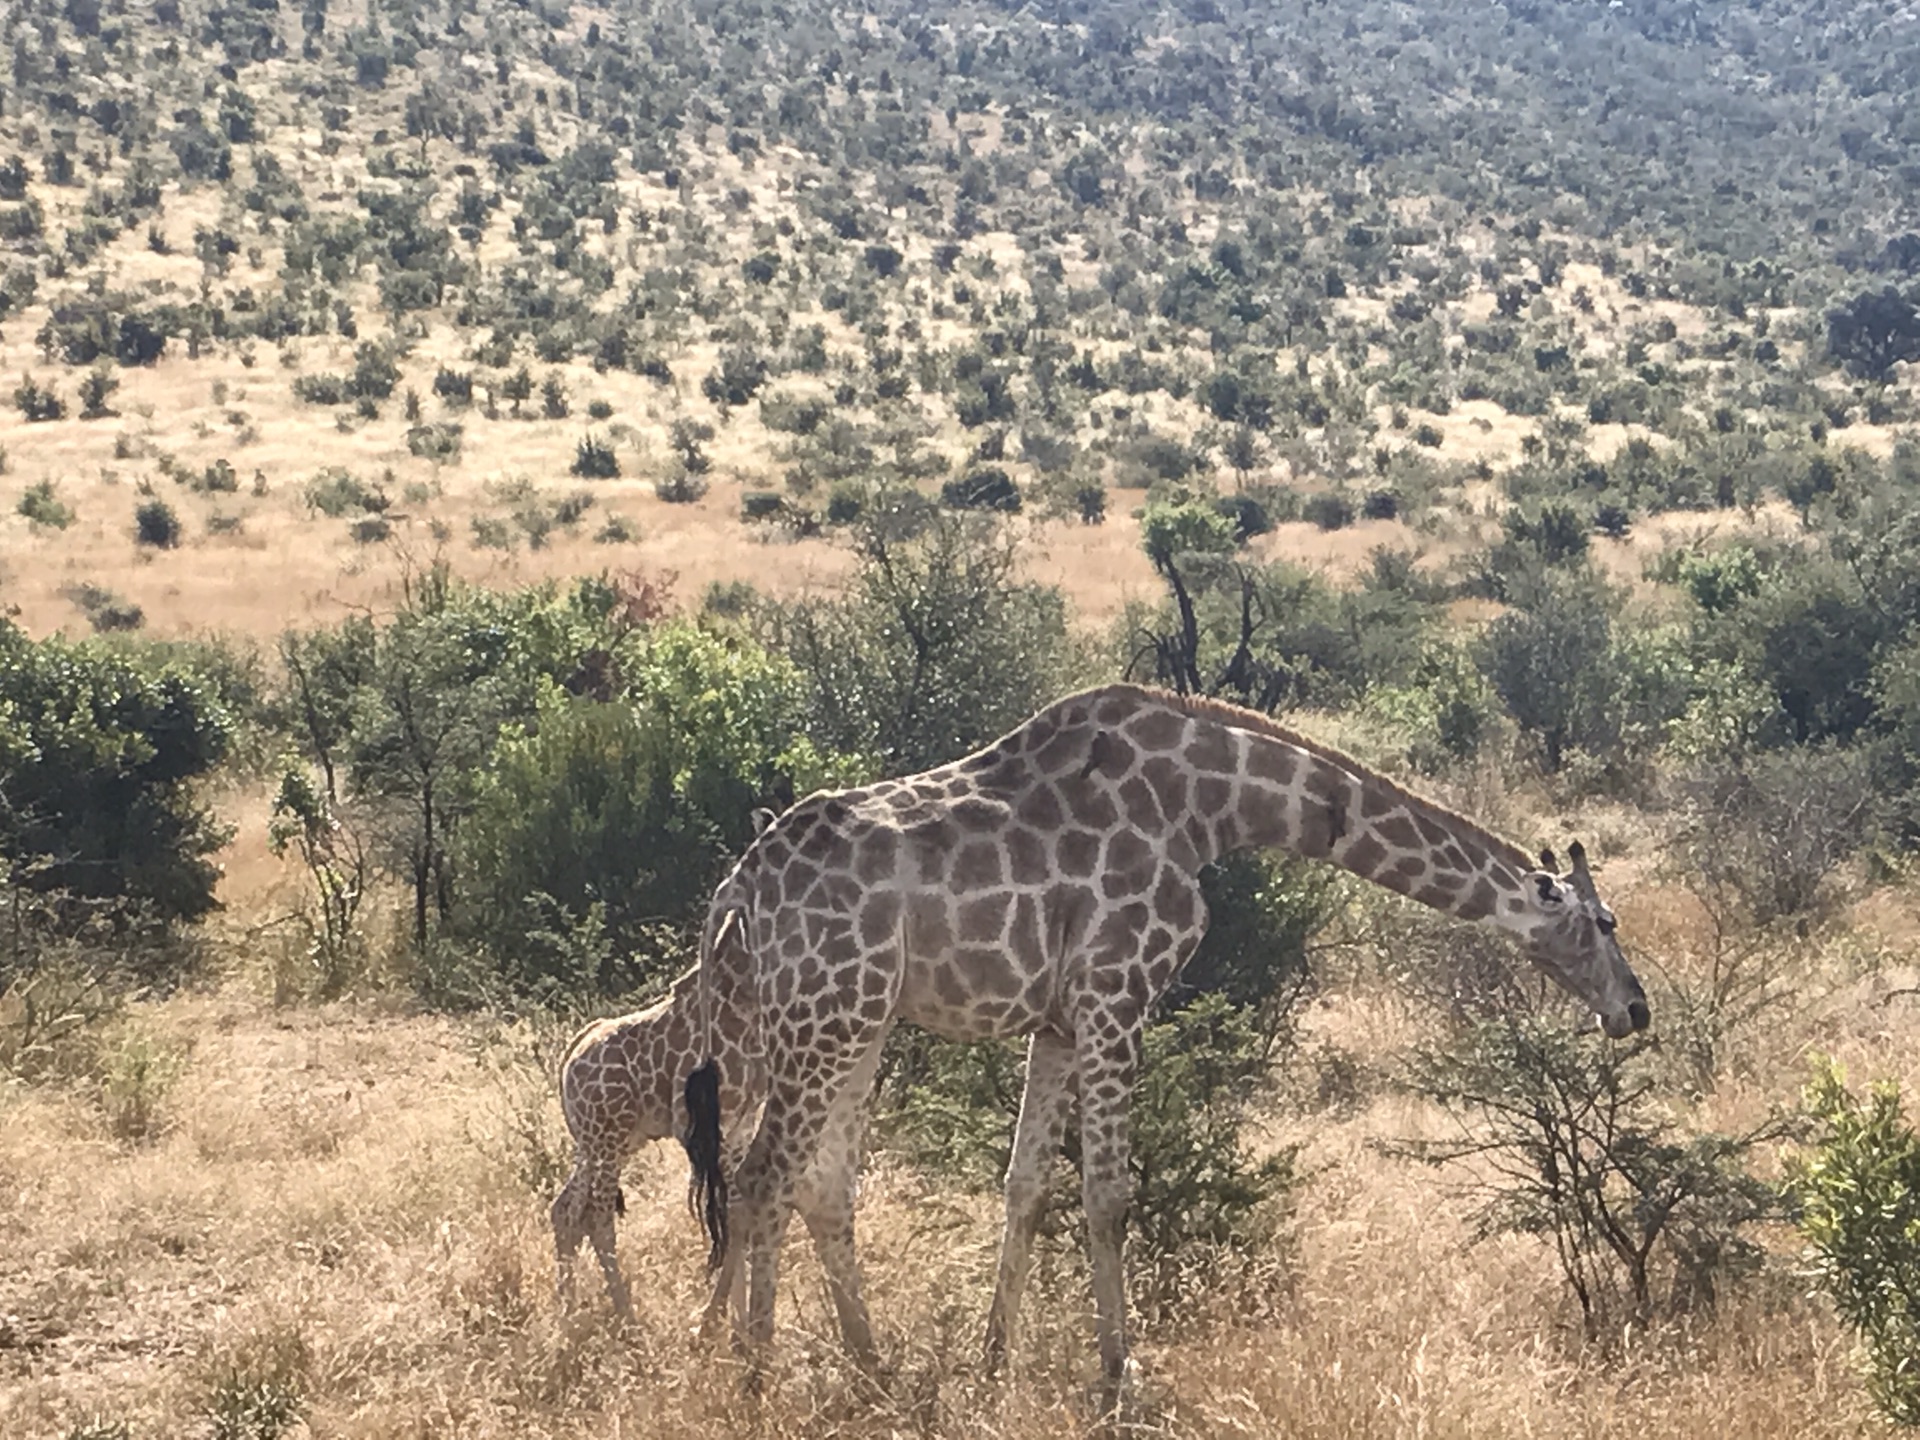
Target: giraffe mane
{"x": 1225, "y": 712}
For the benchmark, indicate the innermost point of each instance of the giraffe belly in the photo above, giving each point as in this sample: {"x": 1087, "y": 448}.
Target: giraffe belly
{"x": 973, "y": 994}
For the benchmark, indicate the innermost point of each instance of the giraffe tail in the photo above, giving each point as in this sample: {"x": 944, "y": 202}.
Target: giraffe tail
{"x": 707, "y": 1189}
{"x": 707, "y": 1183}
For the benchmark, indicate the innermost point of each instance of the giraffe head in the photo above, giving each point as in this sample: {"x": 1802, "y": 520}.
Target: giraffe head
{"x": 1569, "y": 935}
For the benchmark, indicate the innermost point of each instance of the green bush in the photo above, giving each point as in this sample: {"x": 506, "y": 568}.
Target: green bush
{"x": 1263, "y": 911}
{"x": 156, "y": 524}
{"x": 322, "y": 389}
{"x": 336, "y": 492}
{"x": 594, "y": 459}
{"x": 1169, "y": 529}
{"x": 757, "y": 505}
{"x": 439, "y": 441}
{"x": 738, "y": 379}
{"x": 38, "y": 402}
{"x": 936, "y": 648}
{"x": 988, "y": 488}
{"x": 1549, "y": 664}
{"x": 102, "y": 751}
{"x": 43, "y": 507}
{"x": 105, "y": 611}
{"x": 1327, "y": 510}
{"x": 1201, "y": 1201}
{"x": 1859, "y": 1193}
{"x": 629, "y": 809}
{"x": 1202, "y": 1205}
{"x": 455, "y": 387}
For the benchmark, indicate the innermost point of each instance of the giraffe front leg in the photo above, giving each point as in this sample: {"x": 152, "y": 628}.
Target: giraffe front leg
{"x": 1044, "y": 1104}
{"x": 1106, "y": 1079}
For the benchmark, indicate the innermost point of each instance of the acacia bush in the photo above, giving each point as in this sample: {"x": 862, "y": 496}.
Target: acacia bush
{"x": 936, "y": 648}
{"x": 41, "y": 504}
{"x": 1647, "y": 1219}
{"x": 1770, "y": 826}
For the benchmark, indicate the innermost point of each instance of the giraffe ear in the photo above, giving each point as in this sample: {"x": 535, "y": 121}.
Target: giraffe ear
{"x": 1582, "y": 877}
{"x": 1548, "y": 863}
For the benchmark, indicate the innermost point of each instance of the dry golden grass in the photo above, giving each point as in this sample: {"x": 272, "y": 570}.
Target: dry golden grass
{"x": 352, "y": 1199}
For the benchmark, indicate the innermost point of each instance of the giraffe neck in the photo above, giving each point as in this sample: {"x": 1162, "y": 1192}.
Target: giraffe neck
{"x": 1290, "y": 797}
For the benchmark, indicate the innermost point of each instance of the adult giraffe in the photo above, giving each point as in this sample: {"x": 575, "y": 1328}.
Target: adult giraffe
{"x": 1048, "y": 885}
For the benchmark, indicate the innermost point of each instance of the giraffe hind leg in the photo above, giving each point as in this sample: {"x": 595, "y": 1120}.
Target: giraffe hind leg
{"x": 826, "y": 1196}
{"x": 569, "y": 1228}
{"x": 1106, "y": 1082}
{"x": 790, "y": 1133}
{"x": 602, "y": 1209}
{"x": 1044, "y": 1105}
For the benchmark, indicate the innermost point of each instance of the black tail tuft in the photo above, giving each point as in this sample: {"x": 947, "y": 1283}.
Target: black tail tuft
{"x": 707, "y": 1187}
{"x": 619, "y": 1201}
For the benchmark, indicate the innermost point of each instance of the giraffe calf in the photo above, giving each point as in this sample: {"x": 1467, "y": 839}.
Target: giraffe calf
{"x": 622, "y": 1084}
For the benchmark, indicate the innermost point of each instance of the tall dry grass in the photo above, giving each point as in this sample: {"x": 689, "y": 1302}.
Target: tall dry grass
{"x": 339, "y": 1212}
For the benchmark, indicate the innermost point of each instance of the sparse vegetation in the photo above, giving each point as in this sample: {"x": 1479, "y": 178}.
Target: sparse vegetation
{"x": 594, "y": 459}
{"x": 43, "y": 506}
{"x": 1525, "y": 401}
{"x": 155, "y": 523}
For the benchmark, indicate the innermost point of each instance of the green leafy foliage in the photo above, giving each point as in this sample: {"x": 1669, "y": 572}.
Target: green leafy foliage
{"x": 936, "y": 648}
{"x": 1859, "y": 1193}
{"x": 594, "y": 459}
{"x": 1549, "y": 664}
{"x": 100, "y": 752}
{"x": 155, "y": 523}
{"x": 630, "y": 808}
{"x": 43, "y": 506}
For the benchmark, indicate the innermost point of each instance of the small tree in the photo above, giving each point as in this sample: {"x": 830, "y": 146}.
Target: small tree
{"x": 594, "y": 459}
{"x": 988, "y": 488}
{"x": 553, "y": 398}
{"x": 1645, "y": 1220}
{"x": 517, "y": 388}
{"x": 94, "y": 391}
{"x": 38, "y": 402}
{"x": 1549, "y": 665}
{"x": 43, "y": 506}
{"x": 337, "y": 861}
{"x": 738, "y": 379}
{"x": 156, "y": 524}
{"x": 687, "y": 437}
{"x": 1874, "y": 331}
{"x": 1859, "y": 1192}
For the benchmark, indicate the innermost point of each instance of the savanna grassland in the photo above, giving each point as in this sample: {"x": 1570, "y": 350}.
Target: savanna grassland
{"x": 458, "y": 457}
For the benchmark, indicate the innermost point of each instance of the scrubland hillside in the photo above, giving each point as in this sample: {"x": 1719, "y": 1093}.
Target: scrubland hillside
{"x": 460, "y": 457}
